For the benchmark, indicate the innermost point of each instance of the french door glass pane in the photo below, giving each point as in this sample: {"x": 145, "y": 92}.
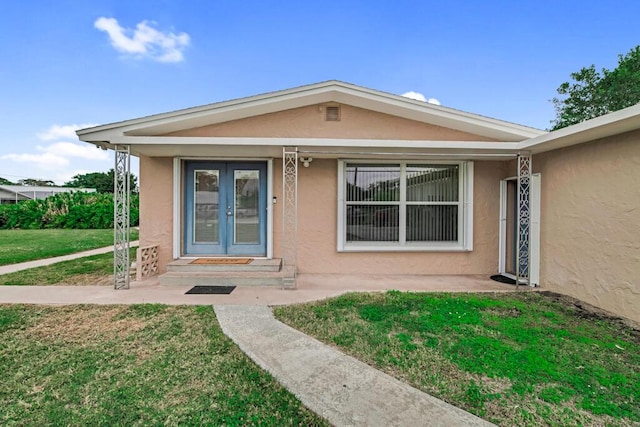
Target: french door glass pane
{"x": 206, "y": 206}
{"x": 432, "y": 183}
{"x": 432, "y": 223}
{"x": 247, "y": 203}
{"x": 379, "y": 183}
{"x": 373, "y": 223}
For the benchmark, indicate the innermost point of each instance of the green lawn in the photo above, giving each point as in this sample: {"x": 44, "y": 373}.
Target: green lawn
{"x": 132, "y": 366}
{"x": 514, "y": 359}
{"x": 91, "y": 270}
{"x": 27, "y": 245}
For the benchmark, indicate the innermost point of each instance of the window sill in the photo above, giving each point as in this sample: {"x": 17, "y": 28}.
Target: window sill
{"x": 404, "y": 248}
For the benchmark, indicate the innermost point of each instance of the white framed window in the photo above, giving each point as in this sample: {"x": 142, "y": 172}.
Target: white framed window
{"x": 405, "y": 205}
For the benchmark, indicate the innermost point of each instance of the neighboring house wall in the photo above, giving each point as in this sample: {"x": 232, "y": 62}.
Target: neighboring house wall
{"x": 590, "y": 233}
{"x": 309, "y": 122}
{"x": 13, "y": 193}
{"x": 11, "y": 197}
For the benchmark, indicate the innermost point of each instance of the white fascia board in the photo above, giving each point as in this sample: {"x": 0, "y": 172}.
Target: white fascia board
{"x": 615, "y": 123}
{"x": 317, "y": 142}
{"x": 331, "y": 91}
{"x": 242, "y": 107}
{"x": 400, "y": 106}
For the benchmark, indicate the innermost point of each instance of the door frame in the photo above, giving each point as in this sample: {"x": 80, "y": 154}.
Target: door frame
{"x": 534, "y": 243}
{"x": 178, "y": 200}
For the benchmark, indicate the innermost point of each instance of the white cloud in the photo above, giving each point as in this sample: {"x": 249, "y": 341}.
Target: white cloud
{"x": 58, "y": 160}
{"x": 44, "y": 161}
{"x": 415, "y": 95}
{"x": 145, "y": 41}
{"x": 420, "y": 97}
{"x": 58, "y": 132}
{"x": 69, "y": 149}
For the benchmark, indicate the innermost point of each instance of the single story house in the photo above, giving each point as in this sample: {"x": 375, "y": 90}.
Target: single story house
{"x": 334, "y": 177}
{"x": 19, "y": 193}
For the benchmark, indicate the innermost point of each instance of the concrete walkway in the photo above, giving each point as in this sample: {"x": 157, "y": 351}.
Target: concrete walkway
{"x": 12, "y": 268}
{"x": 338, "y": 387}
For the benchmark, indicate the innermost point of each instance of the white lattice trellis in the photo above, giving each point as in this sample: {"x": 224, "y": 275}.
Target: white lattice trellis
{"x": 523, "y": 253}
{"x": 121, "y": 209}
{"x": 290, "y": 214}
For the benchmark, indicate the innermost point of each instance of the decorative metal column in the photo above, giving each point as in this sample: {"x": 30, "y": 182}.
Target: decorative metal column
{"x": 523, "y": 254}
{"x": 290, "y": 214}
{"x": 121, "y": 187}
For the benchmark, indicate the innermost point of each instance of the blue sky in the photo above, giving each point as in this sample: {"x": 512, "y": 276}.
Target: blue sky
{"x": 70, "y": 63}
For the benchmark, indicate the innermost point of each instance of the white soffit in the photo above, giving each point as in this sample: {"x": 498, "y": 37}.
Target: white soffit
{"x": 331, "y": 91}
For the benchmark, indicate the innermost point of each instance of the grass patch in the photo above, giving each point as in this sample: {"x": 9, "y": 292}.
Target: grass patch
{"x": 91, "y": 270}
{"x": 28, "y": 245}
{"x": 515, "y": 359}
{"x": 132, "y": 366}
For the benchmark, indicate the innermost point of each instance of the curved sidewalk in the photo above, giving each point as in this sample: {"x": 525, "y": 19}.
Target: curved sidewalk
{"x": 12, "y": 268}
{"x": 338, "y": 387}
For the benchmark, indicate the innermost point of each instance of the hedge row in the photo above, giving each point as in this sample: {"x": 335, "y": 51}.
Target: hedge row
{"x": 65, "y": 210}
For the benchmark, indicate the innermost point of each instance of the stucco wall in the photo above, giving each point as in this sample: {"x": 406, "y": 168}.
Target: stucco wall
{"x": 590, "y": 222}
{"x": 308, "y": 122}
{"x": 317, "y": 213}
{"x": 156, "y": 206}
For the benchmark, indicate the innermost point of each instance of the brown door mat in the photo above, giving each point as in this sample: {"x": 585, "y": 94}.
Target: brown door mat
{"x": 222, "y": 261}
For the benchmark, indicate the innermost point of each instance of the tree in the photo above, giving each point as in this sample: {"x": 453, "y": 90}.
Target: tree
{"x": 4, "y": 181}
{"x": 594, "y": 93}
{"x": 101, "y": 181}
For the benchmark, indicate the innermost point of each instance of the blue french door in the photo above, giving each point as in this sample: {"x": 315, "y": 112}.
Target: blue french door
{"x": 225, "y": 208}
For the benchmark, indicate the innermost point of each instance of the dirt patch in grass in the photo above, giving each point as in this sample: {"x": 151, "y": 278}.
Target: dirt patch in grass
{"x": 587, "y": 311}
{"x": 132, "y": 365}
{"x": 74, "y": 324}
{"x": 522, "y": 358}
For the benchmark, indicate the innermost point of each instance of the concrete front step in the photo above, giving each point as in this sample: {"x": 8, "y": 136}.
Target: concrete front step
{"x": 257, "y": 265}
{"x": 223, "y": 278}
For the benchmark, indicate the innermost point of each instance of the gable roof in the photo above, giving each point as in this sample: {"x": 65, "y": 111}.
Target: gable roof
{"x": 318, "y": 93}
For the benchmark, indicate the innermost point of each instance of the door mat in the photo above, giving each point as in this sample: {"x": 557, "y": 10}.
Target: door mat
{"x": 217, "y": 290}
{"x": 503, "y": 279}
{"x": 221, "y": 261}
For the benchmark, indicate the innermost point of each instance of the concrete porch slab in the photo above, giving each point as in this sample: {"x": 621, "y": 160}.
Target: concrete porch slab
{"x": 310, "y": 288}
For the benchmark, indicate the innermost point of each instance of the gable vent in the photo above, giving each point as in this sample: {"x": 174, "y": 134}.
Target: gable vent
{"x": 332, "y": 114}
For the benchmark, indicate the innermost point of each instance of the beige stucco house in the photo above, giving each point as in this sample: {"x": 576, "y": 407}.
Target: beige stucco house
{"x": 375, "y": 183}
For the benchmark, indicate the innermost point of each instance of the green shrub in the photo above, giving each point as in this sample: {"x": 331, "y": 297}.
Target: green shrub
{"x": 65, "y": 210}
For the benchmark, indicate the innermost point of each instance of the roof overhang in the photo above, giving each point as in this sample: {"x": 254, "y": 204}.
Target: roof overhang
{"x": 319, "y": 93}
{"x": 611, "y": 124}
{"x": 144, "y": 135}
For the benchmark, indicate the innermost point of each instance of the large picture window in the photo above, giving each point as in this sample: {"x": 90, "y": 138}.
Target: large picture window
{"x": 404, "y": 206}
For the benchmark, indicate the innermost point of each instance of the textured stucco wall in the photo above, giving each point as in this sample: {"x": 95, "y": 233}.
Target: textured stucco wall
{"x": 308, "y": 122}
{"x": 590, "y": 222}
{"x": 317, "y": 236}
{"x": 317, "y": 213}
{"x": 156, "y": 206}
